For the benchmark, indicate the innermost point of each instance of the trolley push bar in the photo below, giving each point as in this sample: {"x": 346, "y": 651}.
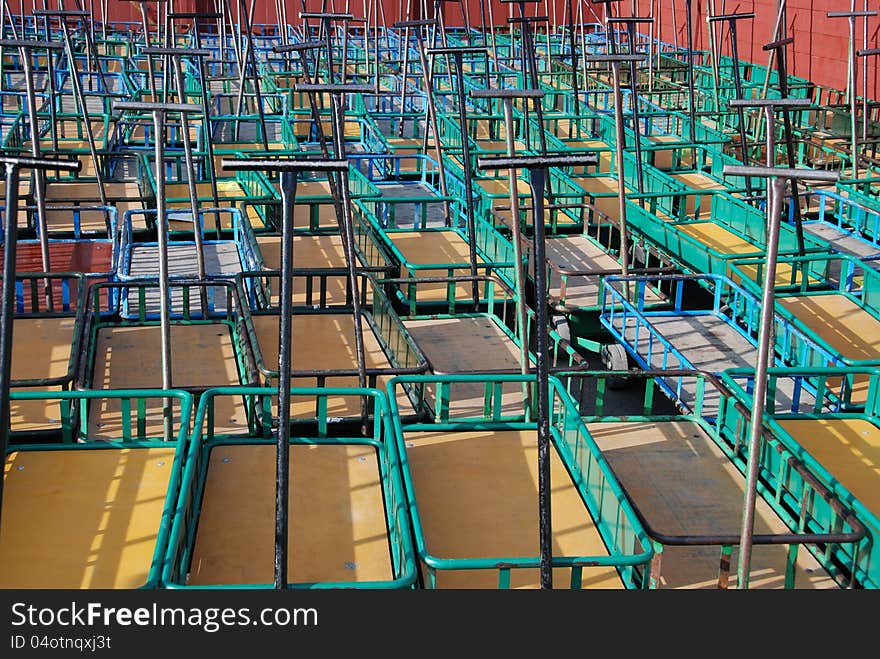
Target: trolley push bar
{"x": 776, "y": 191}
{"x": 83, "y": 16}
{"x": 851, "y": 81}
{"x": 77, "y": 87}
{"x": 616, "y": 60}
{"x": 343, "y": 211}
{"x": 27, "y": 47}
{"x": 865, "y": 52}
{"x": 288, "y": 170}
{"x": 630, "y": 23}
{"x": 778, "y": 47}
{"x": 507, "y": 96}
{"x": 769, "y": 105}
{"x": 457, "y": 54}
{"x": 325, "y": 19}
{"x": 536, "y": 166}
{"x": 431, "y": 107}
{"x": 159, "y": 112}
{"x": 175, "y": 55}
{"x": 142, "y": 6}
{"x": 249, "y": 57}
{"x": 12, "y": 166}
{"x": 530, "y": 67}
{"x": 731, "y": 20}
{"x": 200, "y": 54}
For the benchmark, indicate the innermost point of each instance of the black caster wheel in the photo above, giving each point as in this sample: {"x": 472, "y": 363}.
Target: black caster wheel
{"x": 614, "y": 358}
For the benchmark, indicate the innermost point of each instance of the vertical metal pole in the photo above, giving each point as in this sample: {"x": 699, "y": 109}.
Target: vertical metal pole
{"x": 774, "y": 208}
{"x": 53, "y": 97}
{"x": 191, "y": 183}
{"x": 162, "y": 238}
{"x": 536, "y": 179}
{"x": 621, "y": 186}
{"x": 432, "y": 118}
{"x": 285, "y": 342}
{"x": 715, "y": 50}
{"x": 80, "y": 97}
{"x": 569, "y": 12}
{"x": 348, "y": 245}
{"x": 779, "y": 26}
{"x": 633, "y": 73}
{"x": 692, "y": 110}
{"x": 39, "y": 174}
{"x": 152, "y": 82}
{"x": 3, "y": 5}
{"x": 10, "y": 234}
{"x": 789, "y": 147}
{"x": 737, "y": 83}
{"x": 494, "y": 39}
{"x": 865, "y": 76}
{"x": 209, "y": 129}
{"x": 519, "y": 275}
{"x": 249, "y": 59}
{"x": 468, "y": 180}
{"x": 402, "y": 124}
{"x": 853, "y": 100}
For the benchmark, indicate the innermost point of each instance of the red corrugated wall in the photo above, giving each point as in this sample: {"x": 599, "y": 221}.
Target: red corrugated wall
{"x": 819, "y": 52}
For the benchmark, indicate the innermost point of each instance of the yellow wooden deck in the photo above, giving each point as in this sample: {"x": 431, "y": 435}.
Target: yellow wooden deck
{"x": 682, "y": 484}
{"x": 41, "y": 349}
{"x": 82, "y": 518}
{"x": 663, "y": 158}
{"x": 604, "y": 186}
{"x": 428, "y": 247}
{"x": 321, "y": 342}
{"x": 477, "y": 497}
{"x": 130, "y": 358}
{"x": 324, "y": 251}
{"x": 337, "y": 521}
{"x": 848, "y": 448}
{"x": 605, "y": 154}
{"x": 501, "y": 187}
{"x": 701, "y": 182}
{"x": 720, "y": 239}
{"x": 845, "y": 326}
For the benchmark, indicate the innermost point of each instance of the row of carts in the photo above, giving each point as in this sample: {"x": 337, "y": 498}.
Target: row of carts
{"x": 415, "y": 306}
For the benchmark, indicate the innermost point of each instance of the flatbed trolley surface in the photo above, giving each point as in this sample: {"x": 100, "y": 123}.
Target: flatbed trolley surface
{"x": 314, "y": 207}
{"x": 847, "y": 226}
{"x": 324, "y": 351}
{"x": 94, "y": 513}
{"x": 410, "y": 192}
{"x": 840, "y": 447}
{"x": 835, "y": 300}
{"x": 577, "y": 266}
{"x": 707, "y": 337}
{"x": 46, "y": 343}
{"x": 449, "y": 466}
{"x": 95, "y": 254}
{"x": 73, "y": 209}
{"x": 321, "y": 274}
{"x": 477, "y": 344}
{"x": 349, "y": 526}
{"x": 734, "y": 231}
{"x": 247, "y": 189}
{"x": 436, "y": 252}
{"x": 207, "y": 350}
{"x": 687, "y": 485}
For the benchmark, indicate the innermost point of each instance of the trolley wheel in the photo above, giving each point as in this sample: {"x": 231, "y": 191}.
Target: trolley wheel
{"x": 561, "y": 326}
{"x": 614, "y": 358}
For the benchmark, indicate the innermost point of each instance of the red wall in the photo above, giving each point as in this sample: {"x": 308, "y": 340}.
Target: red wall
{"x": 819, "y": 51}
